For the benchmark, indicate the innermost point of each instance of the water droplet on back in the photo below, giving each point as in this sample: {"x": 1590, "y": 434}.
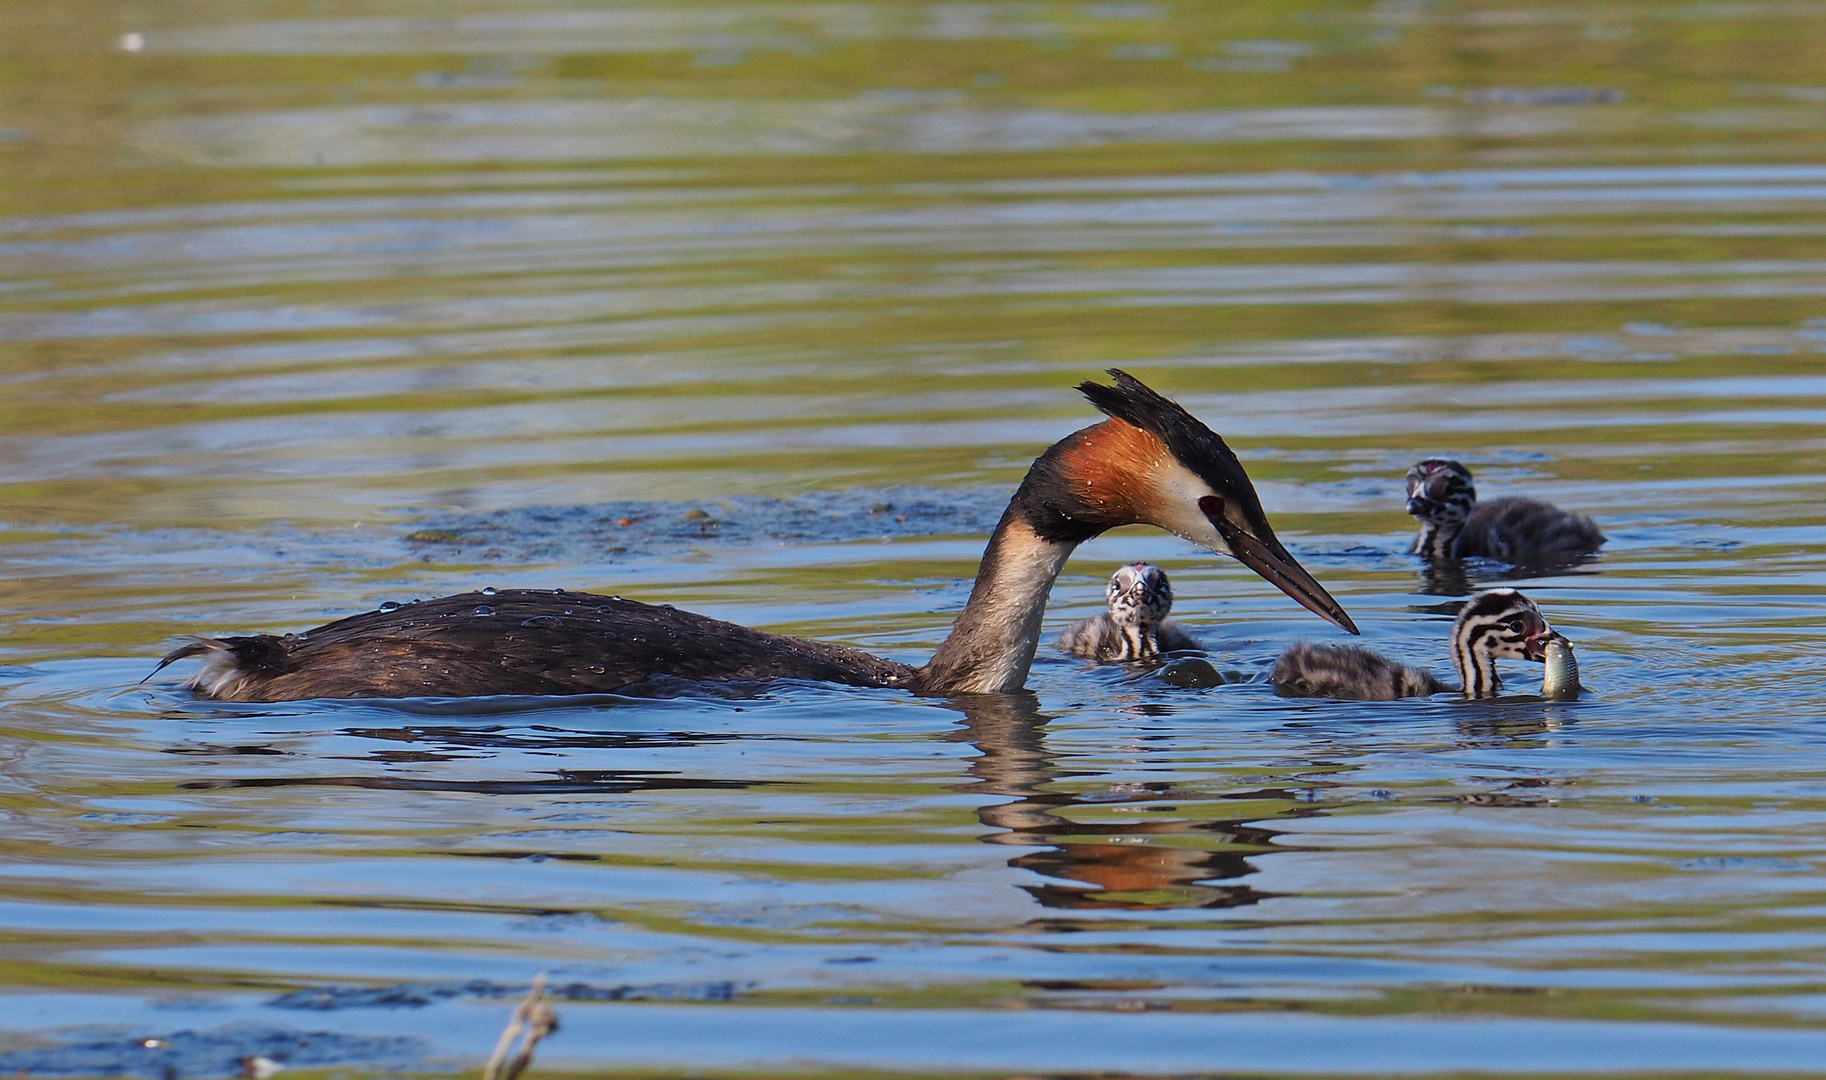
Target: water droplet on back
{"x": 484, "y": 609}
{"x": 489, "y": 591}
{"x": 389, "y": 605}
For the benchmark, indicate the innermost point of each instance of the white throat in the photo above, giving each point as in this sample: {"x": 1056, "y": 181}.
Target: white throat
{"x": 992, "y": 644}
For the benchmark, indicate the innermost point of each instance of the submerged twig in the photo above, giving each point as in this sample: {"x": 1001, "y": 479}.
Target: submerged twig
{"x": 533, "y": 1017}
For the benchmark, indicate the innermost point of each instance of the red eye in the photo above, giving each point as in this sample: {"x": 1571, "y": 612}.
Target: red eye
{"x": 1211, "y": 505}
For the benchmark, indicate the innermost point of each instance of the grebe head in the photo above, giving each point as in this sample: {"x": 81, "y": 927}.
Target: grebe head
{"x": 1154, "y": 463}
{"x": 1504, "y": 623}
{"x": 1139, "y": 595}
{"x": 1440, "y": 491}
{"x": 1499, "y": 624}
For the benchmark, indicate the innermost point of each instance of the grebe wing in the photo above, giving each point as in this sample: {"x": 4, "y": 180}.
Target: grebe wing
{"x": 525, "y": 641}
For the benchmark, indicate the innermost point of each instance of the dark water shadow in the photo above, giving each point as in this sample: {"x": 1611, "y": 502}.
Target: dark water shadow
{"x": 1462, "y": 577}
{"x": 418, "y": 995}
{"x": 545, "y": 737}
{"x": 561, "y": 782}
{"x": 171, "y": 703}
{"x": 220, "y": 1052}
{"x": 581, "y": 535}
{"x": 448, "y": 743}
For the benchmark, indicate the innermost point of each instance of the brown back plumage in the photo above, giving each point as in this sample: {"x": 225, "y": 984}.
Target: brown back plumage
{"x": 522, "y": 641}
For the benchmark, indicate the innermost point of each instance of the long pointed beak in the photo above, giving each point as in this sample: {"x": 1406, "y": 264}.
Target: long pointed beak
{"x": 1269, "y": 559}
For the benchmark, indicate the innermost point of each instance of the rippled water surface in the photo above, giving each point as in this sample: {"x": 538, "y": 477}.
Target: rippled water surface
{"x": 761, "y": 309}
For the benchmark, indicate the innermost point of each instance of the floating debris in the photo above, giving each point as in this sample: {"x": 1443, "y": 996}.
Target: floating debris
{"x": 531, "y": 1021}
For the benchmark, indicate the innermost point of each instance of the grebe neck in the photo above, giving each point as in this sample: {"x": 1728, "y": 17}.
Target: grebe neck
{"x": 1436, "y": 539}
{"x": 992, "y": 644}
{"x": 1476, "y": 665}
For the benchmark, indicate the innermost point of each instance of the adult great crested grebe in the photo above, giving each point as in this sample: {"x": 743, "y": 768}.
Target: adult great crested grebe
{"x": 1134, "y": 626}
{"x": 1454, "y": 525}
{"x": 1499, "y": 623}
{"x": 1151, "y": 462}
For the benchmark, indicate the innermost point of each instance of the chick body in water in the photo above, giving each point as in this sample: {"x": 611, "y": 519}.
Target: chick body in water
{"x": 1135, "y": 625}
{"x": 1498, "y": 624}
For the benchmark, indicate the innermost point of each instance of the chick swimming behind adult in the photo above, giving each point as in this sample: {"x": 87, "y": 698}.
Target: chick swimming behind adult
{"x": 1499, "y": 624}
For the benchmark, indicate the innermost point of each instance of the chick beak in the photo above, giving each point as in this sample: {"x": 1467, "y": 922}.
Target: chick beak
{"x": 1534, "y": 646}
{"x": 1267, "y": 557}
{"x": 1421, "y": 497}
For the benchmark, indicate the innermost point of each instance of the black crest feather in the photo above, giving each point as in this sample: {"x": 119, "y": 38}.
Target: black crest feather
{"x": 1194, "y": 444}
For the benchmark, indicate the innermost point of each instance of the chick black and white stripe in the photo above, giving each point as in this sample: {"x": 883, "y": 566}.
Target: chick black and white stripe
{"x": 1499, "y": 624}
{"x": 1135, "y": 624}
{"x": 1454, "y": 525}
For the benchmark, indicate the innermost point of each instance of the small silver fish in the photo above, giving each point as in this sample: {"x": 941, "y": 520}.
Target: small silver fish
{"x": 1561, "y": 681}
